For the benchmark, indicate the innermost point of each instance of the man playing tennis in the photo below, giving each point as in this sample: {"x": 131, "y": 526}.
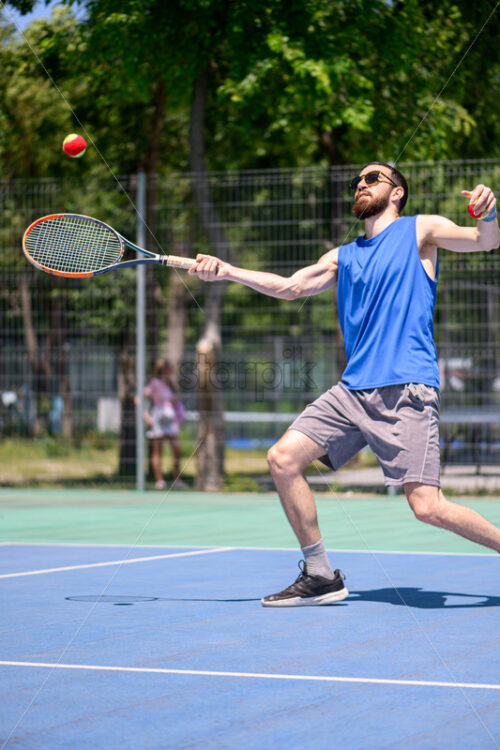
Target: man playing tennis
{"x": 388, "y": 397}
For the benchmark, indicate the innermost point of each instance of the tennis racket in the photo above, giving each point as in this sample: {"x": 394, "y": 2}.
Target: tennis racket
{"x": 77, "y": 247}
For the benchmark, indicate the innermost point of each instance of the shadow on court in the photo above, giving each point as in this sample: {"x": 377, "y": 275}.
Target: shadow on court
{"x": 421, "y": 599}
{"x": 403, "y": 597}
{"x": 109, "y": 599}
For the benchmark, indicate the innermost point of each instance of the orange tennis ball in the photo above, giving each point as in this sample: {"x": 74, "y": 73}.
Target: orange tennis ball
{"x": 74, "y": 145}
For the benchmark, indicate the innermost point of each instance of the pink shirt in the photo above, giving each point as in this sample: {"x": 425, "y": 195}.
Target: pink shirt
{"x": 159, "y": 392}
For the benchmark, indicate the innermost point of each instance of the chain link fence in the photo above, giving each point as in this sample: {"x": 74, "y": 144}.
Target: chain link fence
{"x": 68, "y": 346}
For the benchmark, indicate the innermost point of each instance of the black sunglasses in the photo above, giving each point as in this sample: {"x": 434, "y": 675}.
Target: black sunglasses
{"x": 370, "y": 178}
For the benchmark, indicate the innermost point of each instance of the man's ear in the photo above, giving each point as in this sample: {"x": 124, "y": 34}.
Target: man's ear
{"x": 398, "y": 193}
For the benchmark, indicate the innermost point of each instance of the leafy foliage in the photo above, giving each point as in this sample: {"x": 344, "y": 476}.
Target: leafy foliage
{"x": 291, "y": 83}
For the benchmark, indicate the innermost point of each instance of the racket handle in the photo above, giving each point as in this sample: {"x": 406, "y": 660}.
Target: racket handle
{"x": 178, "y": 261}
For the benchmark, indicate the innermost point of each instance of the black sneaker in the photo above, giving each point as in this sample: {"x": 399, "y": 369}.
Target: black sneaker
{"x": 309, "y": 590}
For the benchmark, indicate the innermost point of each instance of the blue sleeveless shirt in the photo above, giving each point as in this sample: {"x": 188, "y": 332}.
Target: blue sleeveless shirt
{"x": 386, "y": 305}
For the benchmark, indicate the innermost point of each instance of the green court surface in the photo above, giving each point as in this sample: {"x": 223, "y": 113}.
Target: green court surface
{"x": 199, "y": 519}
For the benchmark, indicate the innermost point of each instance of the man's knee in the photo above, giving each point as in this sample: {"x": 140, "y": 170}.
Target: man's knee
{"x": 425, "y": 502}
{"x": 293, "y": 453}
{"x": 279, "y": 459}
{"x": 282, "y": 459}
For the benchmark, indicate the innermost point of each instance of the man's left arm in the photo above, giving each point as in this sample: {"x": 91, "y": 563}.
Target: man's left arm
{"x": 442, "y": 232}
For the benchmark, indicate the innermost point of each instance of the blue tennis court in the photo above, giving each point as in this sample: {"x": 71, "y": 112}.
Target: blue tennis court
{"x": 169, "y": 647}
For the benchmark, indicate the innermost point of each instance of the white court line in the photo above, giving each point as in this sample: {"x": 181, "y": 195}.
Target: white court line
{"x": 259, "y": 549}
{"x": 117, "y": 562}
{"x": 372, "y": 551}
{"x": 252, "y": 675}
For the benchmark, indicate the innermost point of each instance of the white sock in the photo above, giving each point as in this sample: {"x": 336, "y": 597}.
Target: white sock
{"x": 317, "y": 563}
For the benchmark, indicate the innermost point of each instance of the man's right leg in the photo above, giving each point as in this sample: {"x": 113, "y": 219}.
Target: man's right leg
{"x": 288, "y": 459}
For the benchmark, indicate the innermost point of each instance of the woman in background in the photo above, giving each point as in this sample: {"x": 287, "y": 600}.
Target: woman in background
{"x": 164, "y": 421}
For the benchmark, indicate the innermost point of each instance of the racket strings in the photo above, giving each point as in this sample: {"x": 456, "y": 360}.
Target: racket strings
{"x": 73, "y": 245}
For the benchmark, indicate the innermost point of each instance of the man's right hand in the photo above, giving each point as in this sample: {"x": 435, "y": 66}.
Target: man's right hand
{"x": 209, "y": 268}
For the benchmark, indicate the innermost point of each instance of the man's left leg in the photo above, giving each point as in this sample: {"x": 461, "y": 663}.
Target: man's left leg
{"x": 430, "y": 506}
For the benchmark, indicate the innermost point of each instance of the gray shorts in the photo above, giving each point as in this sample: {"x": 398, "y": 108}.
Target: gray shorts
{"x": 400, "y": 423}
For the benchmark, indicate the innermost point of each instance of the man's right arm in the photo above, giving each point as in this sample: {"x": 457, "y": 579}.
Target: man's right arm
{"x": 306, "y": 282}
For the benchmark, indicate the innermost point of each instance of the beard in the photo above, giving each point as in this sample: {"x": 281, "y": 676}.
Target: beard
{"x": 367, "y": 206}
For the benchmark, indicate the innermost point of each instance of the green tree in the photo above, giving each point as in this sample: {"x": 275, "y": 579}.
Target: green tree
{"x": 347, "y": 80}
{"x": 214, "y": 84}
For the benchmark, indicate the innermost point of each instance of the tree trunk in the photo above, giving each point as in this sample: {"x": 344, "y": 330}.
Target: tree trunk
{"x": 338, "y": 232}
{"x": 60, "y": 364}
{"x": 331, "y": 143}
{"x": 174, "y": 349}
{"x": 154, "y": 292}
{"x": 126, "y": 393}
{"x": 39, "y": 366}
{"x": 178, "y": 293}
{"x": 211, "y": 438}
